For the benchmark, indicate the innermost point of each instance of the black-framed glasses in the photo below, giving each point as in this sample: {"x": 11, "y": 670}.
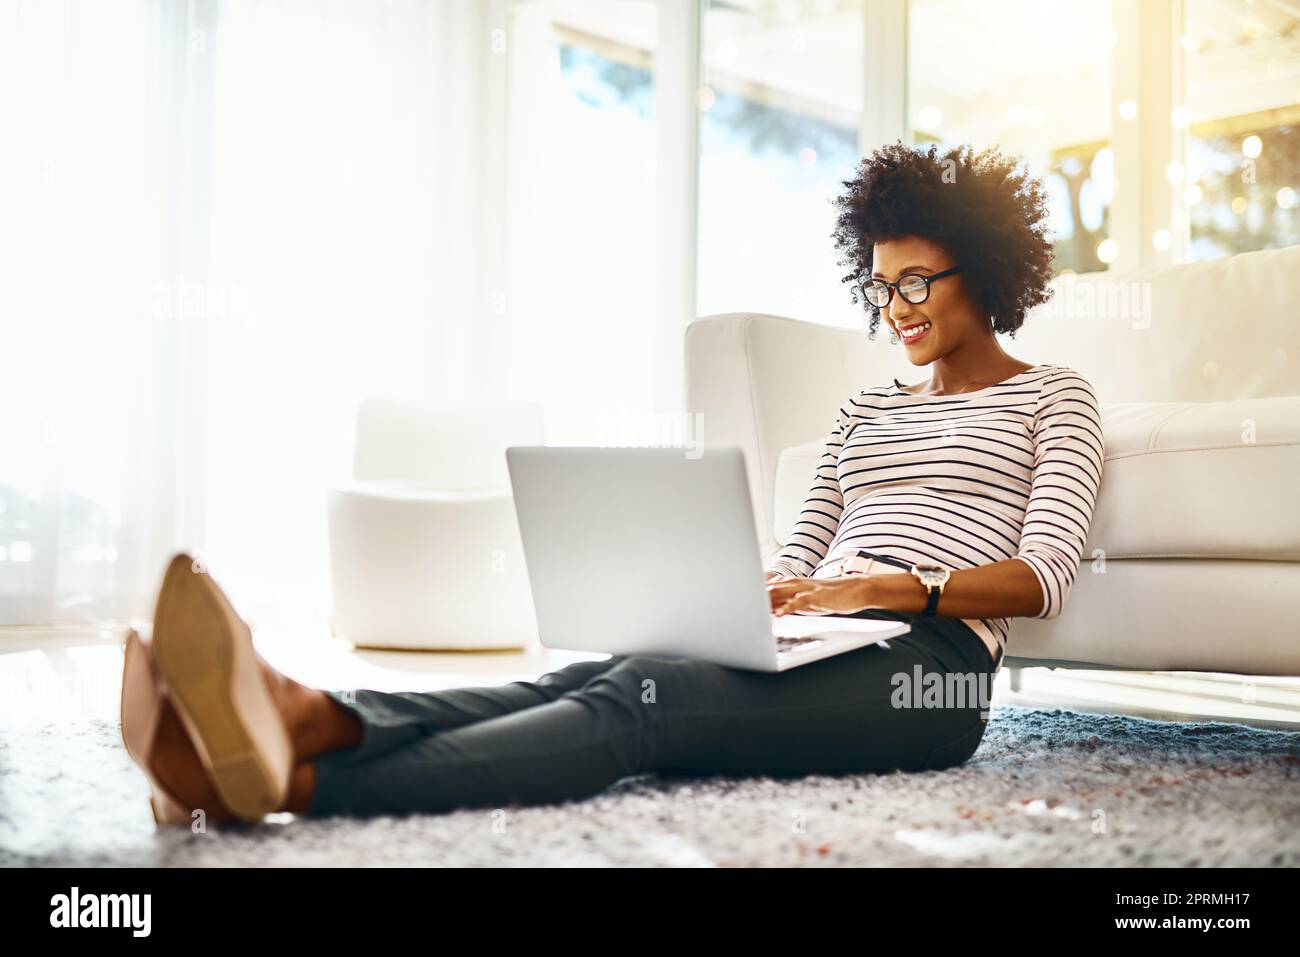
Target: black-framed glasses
{"x": 913, "y": 287}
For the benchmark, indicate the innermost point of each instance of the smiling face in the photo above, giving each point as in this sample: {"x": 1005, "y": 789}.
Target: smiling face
{"x": 951, "y": 312}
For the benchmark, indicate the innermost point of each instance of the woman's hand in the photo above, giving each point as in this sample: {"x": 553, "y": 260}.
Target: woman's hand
{"x": 831, "y": 596}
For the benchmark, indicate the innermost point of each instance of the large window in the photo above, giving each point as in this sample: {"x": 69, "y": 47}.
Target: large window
{"x": 1242, "y": 87}
{"x": 1034, "y": 79}
{"x": 224, "y": 224}
{"x": 780, "y": 109}
{"x": 581, "y": 224}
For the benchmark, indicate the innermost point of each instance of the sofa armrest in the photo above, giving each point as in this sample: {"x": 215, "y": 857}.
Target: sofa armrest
{"x": 765, "y": 383}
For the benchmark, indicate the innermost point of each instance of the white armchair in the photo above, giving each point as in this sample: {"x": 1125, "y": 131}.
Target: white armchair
{"x": 424, "y": 544}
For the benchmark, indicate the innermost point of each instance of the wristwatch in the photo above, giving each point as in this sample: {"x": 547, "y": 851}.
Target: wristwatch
{"x": 932, "y": 576}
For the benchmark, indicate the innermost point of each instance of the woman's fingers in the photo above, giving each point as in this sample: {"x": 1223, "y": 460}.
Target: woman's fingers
{"x": 828, "y": 596}
{"x": 782, "y": 592}
{"x": 788, "y": 607}
{"x": 791, "y": 586}
{"x": 795, "y": 600}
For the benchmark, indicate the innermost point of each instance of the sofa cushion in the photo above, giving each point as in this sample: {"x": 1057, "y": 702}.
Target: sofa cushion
{"x": 1181, "y": 480}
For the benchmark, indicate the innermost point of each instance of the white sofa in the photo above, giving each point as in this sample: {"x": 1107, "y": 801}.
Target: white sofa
{"x": 1193, "y": 557}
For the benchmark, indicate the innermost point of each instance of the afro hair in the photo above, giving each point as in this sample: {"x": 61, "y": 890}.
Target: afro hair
{"x": 990, "y": 217}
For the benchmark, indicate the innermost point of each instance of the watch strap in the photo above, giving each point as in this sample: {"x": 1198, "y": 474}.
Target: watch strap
{"x": 863, "y": 553}
{"x": 935, "y": 590}
{"x": 932, "y": 605}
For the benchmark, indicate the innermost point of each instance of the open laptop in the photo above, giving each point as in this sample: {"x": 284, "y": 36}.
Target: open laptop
{"x": 650, "y": 551}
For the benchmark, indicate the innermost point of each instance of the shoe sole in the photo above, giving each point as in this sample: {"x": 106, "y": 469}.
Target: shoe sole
{"x": 205, "y": 652}
{"x": 141, "y": 710}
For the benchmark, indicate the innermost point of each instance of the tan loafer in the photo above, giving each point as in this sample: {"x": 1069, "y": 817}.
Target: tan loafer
{"x": 143, "y": 703}
{"x": 206, "y": 657}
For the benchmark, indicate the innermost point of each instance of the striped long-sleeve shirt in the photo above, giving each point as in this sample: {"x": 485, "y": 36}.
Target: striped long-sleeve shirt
{"x": 1009, "y": 471}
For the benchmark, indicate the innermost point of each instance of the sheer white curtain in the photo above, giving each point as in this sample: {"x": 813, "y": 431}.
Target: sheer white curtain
{"x": 223, "y": 224}
{"x": 82, "y": 237}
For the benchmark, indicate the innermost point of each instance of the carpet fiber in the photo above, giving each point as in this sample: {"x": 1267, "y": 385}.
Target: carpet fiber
{"x": 1047, "y": 787}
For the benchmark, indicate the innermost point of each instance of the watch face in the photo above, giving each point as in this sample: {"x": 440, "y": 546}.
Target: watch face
{"x": 932, "y": 574}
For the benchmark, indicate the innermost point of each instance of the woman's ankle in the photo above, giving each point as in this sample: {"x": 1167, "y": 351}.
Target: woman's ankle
{"x": 318, "y": 724}
{"x": 302, "y": 786}
{"x": 345, "y": 728}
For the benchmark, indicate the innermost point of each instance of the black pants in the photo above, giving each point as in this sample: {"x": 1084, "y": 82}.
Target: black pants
{"x": 575, "y": 731}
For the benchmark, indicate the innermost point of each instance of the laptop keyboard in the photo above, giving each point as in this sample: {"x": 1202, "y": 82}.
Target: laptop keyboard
{"x": 796, "y": 644}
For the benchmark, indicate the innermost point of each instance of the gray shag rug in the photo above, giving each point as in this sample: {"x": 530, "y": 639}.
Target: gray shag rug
{"x": 1046, "y": 787}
